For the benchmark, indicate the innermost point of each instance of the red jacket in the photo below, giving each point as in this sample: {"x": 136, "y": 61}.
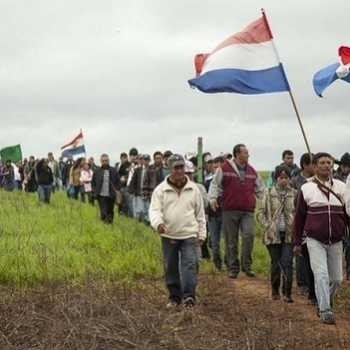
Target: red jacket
{"x": 238, "y": 195}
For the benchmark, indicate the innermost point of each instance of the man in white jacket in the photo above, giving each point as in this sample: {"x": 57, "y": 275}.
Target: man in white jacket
{"x": 177, "y": 214}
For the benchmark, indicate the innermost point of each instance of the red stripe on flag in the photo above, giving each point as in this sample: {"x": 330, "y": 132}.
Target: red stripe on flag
{"x": 80, "y": 136}
{"x": 344, "y": 53}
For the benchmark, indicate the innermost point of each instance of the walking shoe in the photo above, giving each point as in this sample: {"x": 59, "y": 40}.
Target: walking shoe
{"x": 188, "y": 302}
{"x": 275, "y": 296}
{"x": 327, "y": 318}
{"x": 288, "y": 299}
{"x": 232, "y": 274}
{"x": 312, "y": 302}
{"x": 172, "y": 304}
{"x": 249, "y": 273}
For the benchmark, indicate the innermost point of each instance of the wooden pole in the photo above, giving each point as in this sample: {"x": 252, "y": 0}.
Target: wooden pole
{"x": 200, "y": 160}
{"x": 289, "y": 89}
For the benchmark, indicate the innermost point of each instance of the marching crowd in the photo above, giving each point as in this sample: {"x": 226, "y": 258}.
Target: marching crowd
{"x": 303, "y": 212}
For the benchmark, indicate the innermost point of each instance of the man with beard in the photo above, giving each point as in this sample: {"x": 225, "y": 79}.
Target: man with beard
{"x": 105, "y": 182}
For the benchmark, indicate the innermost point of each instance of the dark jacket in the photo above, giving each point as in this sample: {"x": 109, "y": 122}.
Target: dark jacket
{"x": 97, "y": 181}
{"x": 44, "y": 174}
{"x": 135, "y": 183}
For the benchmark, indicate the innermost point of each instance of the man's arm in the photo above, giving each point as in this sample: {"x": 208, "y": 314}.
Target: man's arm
{"x": 259, "y": 186}
{"x": 299, "y": 223}
{"x": 155, "y": 212}
{"x": 215, "y": 188}
{"x": 200, "y": 217}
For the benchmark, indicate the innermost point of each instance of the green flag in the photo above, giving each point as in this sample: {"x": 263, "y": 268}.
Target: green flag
{"x": 13, "y": 153}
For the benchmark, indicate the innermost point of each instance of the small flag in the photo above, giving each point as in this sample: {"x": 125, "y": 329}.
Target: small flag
{"x": 13, "y": 153}
{"x": 245, "y": 63}
{"x": 76, "y": 146}
{"x": 326, "y": 76}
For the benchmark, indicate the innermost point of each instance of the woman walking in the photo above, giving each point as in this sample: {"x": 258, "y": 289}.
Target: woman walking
{"x": 275, "y": 216}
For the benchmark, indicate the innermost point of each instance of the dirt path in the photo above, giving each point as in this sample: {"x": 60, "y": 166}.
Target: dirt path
{"x": 245, "y": 287}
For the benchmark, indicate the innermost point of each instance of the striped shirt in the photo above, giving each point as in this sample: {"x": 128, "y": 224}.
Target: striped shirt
{"x": 105, "y": 184}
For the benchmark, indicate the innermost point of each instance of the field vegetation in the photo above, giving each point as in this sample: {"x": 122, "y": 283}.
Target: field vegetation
{"x": 68, "y": 281}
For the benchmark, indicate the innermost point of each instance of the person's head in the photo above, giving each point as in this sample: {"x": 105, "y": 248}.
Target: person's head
{"x": 217, "y": 161}
{"x": 139, "y": 159}
{"x": 176, "y": 167}
{"x": 87, "y": 166}
{"x": 240, "y": 154}
{"x": 323, "y": 165}
{"x": 158, "y": 158}
{"x": 8, "y": 162}
{"x": 60, "y": 159}
{"x": 104, "y": 161}
{"x": 133, "y": 153}
{"x": 91, "y": 161}
{"x": 32, "y": 159}
{"x": 50, "y": 156}
{"x": 208, "y": 164}
{"x": 344, "y": 164}
{"x": 306, "y": 164}
{"x": 288, "y": 158}
{"x": 146, "y": 160}
{"x": 282, "y": 175}
{"x": 166, "y": 156}
{"x": 123, "y": 157}
{"x": 189, "y": 169}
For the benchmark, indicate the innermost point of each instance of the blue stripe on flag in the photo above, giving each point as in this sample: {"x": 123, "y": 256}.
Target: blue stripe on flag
{"x": 242, "y": 81}
{"x": 73, "y": 151}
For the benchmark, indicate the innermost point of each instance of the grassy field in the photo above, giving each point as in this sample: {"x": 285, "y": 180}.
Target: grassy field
{"x": 66, "y": 241}
{"x": 68, "y": 281}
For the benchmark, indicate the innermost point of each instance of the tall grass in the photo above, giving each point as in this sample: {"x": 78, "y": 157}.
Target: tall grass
{"x": 67, "y": 241}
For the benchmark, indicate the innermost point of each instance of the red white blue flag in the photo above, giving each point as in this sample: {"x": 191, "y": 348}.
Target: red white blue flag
{"x": 76, "y": 146}
{"x": 326, "y": 76}
{"x": 245, "y": 63}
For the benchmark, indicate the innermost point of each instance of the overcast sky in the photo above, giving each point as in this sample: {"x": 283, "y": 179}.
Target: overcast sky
{"x": 119, "y": 69}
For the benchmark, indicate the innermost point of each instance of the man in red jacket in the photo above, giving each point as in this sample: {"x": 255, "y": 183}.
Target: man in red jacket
{"x": 239, "y": 185}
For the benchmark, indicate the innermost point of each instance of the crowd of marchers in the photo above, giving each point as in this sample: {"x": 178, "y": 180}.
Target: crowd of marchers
{"x": 303, "y": 211}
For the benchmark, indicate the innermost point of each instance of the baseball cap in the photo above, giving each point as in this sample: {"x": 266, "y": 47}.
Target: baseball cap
{"x": 175, "y": 160}
{"x": 208, "y": 158}
{"x": 189, "y": 167}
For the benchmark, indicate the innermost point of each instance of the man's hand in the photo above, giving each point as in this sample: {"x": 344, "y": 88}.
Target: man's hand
{"x": 161, "y": 228}
{"x": 200, "y": 241}
{"x": 297, "y": 250}
{"x": 214, "y": 205}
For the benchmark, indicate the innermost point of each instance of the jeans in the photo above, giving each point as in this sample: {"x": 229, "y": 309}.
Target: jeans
{"x": 326, "y": 264}
{"x": 309, "y": 273}
{"x": 301, "y": 271}
{"x": 179, "y": 259}
{"x": 281, "y": 256}
{"x": 106, "y": 208}
{"x": 44, "y": 193}
{"x": 127, "y": 202}
{"x": 232, "y": 221}
{"x": 215, "y": 227}
{"x": 346, "y": 248}
{"x": 141, "y": 208}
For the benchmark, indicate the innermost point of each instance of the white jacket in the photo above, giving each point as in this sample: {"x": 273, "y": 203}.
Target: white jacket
{"x": 183, "y": 215}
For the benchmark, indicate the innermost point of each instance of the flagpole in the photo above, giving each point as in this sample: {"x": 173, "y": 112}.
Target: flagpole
{"x": 290, "y": 91}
